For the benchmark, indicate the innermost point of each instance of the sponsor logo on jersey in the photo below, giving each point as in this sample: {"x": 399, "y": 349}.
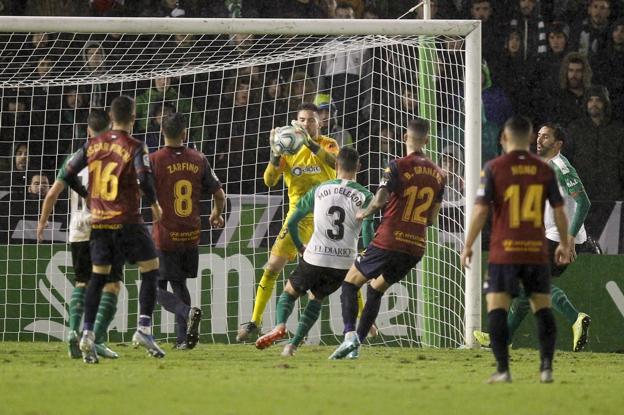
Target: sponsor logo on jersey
{"x": 299, "y": 171}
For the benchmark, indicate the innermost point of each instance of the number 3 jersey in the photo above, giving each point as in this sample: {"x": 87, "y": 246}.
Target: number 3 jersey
{"x": 336, "y": 230}
{"x": 517, "y": 186}
{"x": 180, "y": 174}
{"x": 416, "y": 185}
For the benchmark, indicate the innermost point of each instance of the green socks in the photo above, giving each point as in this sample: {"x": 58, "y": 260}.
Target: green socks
{"x": 562, "y": 304}
{"x": 517, "y": 312}
{"x": 105, "y": 314}
{"x": 306, "y": 321}
{"x": 76, "y": 308}
{"x": 285, "y": 305}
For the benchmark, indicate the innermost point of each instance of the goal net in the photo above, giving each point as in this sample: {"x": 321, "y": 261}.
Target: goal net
{"x": 235, "y": 80}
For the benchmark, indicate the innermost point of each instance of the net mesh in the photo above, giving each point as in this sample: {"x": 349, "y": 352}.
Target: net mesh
{"x": 234, "y": 89}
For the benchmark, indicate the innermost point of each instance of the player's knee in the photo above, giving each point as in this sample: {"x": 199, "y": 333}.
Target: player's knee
{"x": 540, "y": 301}
{"x": 498, "y": 300}
{"x": 355, "y": 277}
{"x": 291, "y": 290}
{"x": 81, "y": 285}
{"x": 149, "y": 265}
{"x": 276, "y": 263}
{"x": 112, "y": 287}
{"x": 380, "y": 284}
{"x": 101, "y": 269}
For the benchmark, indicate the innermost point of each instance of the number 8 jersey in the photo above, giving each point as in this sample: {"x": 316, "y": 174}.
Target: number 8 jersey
{"x": 416, "y": 185}
{"x": 180, "y": 175}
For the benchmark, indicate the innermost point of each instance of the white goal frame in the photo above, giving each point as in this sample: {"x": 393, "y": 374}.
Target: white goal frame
{"x": 469, "y": 29}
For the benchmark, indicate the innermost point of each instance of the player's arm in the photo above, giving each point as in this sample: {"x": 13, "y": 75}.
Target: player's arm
{"x": 326, "y": 155}
{"x": 582, "y": 209}
{"x": 146, "y": 180}
{"x": 485, "y": 196}
{"x": 211, "y": 183}
{"x": 388, "y": 183}
{"x": 562, "y": 253}
{"x": 274, "y": 170}
{"x": 48, "y": 204}
{"x": 437, "y": 205}
{"x": 305, "y": 205}
{"x": 368, "y": 230}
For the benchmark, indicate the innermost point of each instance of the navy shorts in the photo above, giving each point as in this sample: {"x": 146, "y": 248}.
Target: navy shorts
{"x": 535, "y": 278}
{"x": 130, "y": 241}
{"x": 179, "y": 265}
{"x": 321, "y": 281}
{"x": 394, "y": 266}
{"x": 81, "y": 260}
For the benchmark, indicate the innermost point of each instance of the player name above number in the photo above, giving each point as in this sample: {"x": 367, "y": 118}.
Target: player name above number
{"x": 104, "y": 146}
{"x": 355, "y": 197}
{"x": 429, "y": 171}
{"x": 184, "y": 166}
{"x": 524, "y": 169}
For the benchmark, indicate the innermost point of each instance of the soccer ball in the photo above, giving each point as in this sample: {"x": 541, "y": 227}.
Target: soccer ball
{"x": 289, "y": 139}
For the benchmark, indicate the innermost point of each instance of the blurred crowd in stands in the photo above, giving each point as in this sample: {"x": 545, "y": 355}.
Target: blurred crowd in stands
{"x": 555, "y": 61}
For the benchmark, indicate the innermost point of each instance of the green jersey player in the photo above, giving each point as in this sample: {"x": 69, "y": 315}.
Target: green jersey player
{"x": 550, "y": 139}
{"x": 329, "y": 253}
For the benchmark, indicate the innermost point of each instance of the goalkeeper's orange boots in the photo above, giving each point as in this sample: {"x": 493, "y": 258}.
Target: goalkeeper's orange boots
{"x": 271, "y": 337}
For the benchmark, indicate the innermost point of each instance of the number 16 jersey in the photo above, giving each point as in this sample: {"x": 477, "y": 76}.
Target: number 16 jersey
{"x": 416, "y": 185}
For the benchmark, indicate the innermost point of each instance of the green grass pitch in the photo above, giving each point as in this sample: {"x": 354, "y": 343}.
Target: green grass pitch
{"x": 39, "y": 378}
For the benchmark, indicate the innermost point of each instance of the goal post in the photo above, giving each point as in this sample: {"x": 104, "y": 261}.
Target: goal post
{"x": 370, "y": 76}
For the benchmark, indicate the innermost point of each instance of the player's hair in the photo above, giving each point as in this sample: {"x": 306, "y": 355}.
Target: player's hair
{"x": 348, "y": 159}
{"x": 574, "y": 57}
{"x": 519, "y": 128}
{"x": 557, "y": 129}
{"x": 98, "y": 120}
{"x": 122, "y": 109}
{"x": 419, "y": 126}
{"x": 473, "y": 2}
{"x": 173, "y": 125}
{"x": 308, "y": 106}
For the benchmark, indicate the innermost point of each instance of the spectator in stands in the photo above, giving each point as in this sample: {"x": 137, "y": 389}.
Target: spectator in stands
{"x": 74, "y": 113}
{"x": 532, "y": 28}
{"x": 452, "y": 162}
{"x": 589, "y": 35}
{"x": 38, "y": 186}
{"x": 163, "y": 91}
{"x": 329, "y": 8}
{"x": 495, "y": 111}
{"x": 153, "y": 137}
{"x": 566, "y": 103}
{"x": 94, "y": 65}
{"x": 329, "y": 120}
{"x": 609, "y": 67}
{"x": 16, "y": 117}
{"x": 15, "y": 179}
{"x": 40, "y": 43}
{"x": 549, "y": 65}
{"x": 166, "y": 8}
{"x": 490, "y": 32}
{"x": 341, "y": 73}
{"x": 597, "y": 147}
{"x": 515, "y": 76}
{"x": 302, "y": 89}
{"x": 381, "y": 146}
{"x": 273, "y": 105}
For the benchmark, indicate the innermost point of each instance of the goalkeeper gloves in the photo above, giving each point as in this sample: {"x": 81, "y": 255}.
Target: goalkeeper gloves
{"x": 275, "y": 155}
{"x": 307, "y": 140}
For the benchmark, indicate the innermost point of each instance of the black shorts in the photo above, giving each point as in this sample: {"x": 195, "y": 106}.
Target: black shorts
{"x": 394, "y": 266}
{"x": 557, "y": 270}
{"x": 179, "y": 265}
{"x": 81, "y": 259}
{"x": 131, "y": 241}
{"x": 535, "y": 278}
{"x": 321, "y": 281}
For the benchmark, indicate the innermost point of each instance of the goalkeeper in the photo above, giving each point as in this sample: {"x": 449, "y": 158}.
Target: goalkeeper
{"x": 313, "y": 164}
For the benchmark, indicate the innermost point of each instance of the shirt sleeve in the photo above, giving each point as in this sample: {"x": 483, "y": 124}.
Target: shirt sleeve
{"x": 440, "y": 196}
{"x": 485, "y": 193}
{"x": 141, "y": 160}
{"x": 552, "y": 191}
{"x": 210, "y": 181}
{"x": 73, "y": 165}
{"x": 390, "y": 177}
